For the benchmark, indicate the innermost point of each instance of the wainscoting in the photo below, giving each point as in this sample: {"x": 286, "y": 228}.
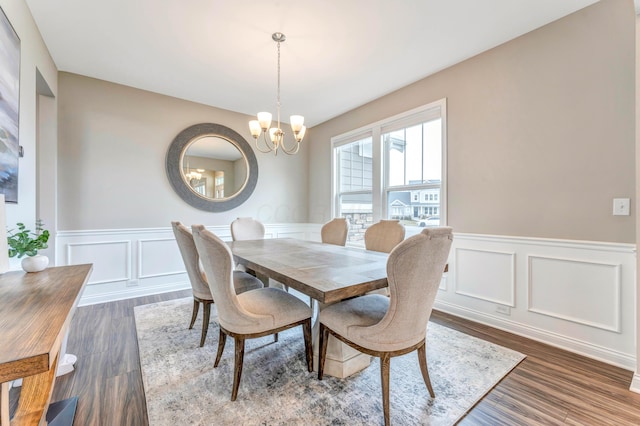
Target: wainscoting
{"x": 137, "y": 262}
{"x": 577, "y": 295}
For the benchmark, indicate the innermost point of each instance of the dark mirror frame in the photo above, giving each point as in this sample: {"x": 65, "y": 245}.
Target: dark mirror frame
{"x": 174, "y": 166}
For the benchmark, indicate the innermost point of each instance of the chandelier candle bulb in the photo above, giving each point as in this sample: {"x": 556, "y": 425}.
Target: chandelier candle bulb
{"x": 264, "y": 118}
{"x": 300, "y": 134}
{"x": 254, "y": 127}
{"x": 296, "y": 122}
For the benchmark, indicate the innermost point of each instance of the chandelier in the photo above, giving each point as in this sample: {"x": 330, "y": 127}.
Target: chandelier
{"x": 193, "y": 174}
{"x": 276, "y": 135}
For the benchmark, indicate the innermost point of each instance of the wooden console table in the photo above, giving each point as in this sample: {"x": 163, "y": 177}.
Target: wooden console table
{"x": 35, "y": 313}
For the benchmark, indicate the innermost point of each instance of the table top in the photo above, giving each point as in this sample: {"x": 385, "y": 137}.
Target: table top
{"x": 326, "y": 272}
{"x": 34, "y": 309}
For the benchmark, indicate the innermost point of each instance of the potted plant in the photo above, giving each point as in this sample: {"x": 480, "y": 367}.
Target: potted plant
{"x": 24, "y": 242}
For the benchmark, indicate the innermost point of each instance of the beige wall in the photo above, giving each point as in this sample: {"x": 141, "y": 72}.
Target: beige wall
{"x": 540, "y": 131}
{"x": 33, "y": 55}
{"x": 112, "y": 145}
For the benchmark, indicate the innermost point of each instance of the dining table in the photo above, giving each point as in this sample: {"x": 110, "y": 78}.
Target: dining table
{"x": 327, "y": 274}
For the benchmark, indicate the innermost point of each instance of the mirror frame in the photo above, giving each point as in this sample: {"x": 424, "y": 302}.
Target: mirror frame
{"x": 177, "y": 150}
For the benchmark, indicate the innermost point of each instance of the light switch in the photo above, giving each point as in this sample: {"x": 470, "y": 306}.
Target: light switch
{"x": 621, "y": 207}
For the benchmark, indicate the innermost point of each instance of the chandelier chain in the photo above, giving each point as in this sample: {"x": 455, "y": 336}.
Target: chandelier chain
{"x": 278, "y": 104}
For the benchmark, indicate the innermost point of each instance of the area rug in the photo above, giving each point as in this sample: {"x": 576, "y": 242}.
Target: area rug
{"x": 183, "y": 388}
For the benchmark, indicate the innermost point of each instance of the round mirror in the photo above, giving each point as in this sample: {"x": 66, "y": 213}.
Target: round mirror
{"x": 212, "y": 167}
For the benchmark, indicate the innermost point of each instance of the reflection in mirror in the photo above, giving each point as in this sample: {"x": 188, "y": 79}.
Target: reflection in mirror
{"x": 214, "y": 167}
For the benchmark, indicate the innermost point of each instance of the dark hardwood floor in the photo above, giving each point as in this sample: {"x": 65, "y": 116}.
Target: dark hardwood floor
{"x": 549, "y": 387}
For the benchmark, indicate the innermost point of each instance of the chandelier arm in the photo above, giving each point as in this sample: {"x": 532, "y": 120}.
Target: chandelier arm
{"x": 266, "y": 144}
{"x": 293, "y": 150}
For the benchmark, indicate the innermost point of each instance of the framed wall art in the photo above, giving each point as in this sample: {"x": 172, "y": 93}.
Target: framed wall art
{"x": 9, "y": 109}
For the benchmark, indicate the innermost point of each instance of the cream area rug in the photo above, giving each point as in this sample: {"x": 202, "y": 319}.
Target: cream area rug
{"x": 183, "y": 388}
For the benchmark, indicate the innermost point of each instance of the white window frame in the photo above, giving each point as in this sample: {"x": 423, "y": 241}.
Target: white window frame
{"x": 380, "y": 164}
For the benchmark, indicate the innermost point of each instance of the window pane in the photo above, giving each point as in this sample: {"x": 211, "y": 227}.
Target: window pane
{"x": 433, "y": 150}
{"x": 355, "y": 163}
{"x": 358, "y": 210}
{"x": 413, "y": 137}
{"x": 395, "y": 144}
{"x": 415, "y": 208}
{"x": 415, "y": 154}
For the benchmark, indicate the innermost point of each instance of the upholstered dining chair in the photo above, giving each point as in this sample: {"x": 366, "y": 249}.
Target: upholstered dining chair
{"x": 335, "y": 231}
{"x": 386, "y": 327}
{"x": 249, "y": 315}
{"x": 384, "y": 235}
{"x": 201, "y": 294}
{"x": 246, "y": 228}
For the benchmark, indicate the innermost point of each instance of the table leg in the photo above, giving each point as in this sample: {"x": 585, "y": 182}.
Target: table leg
{"x": 4, "y": 403}
{"x": 342, "y": 360}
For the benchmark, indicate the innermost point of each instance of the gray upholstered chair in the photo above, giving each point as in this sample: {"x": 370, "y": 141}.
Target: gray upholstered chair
{"x": 246, "y": 228}
{"x": 384, "y": 235}
{"x": 391, "y": 326}
{"x": 252, "y": 314}
{"x": 201, "y": 293}
{"x": 335, "y": 231}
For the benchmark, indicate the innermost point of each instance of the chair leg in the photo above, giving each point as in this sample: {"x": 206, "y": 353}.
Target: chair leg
{"x": 237, "y": 371}
{"x": 308, "y": 350}
{"x": 221, "y": 341}
{"x": 422, "y": 359}
{"x": 322, "y": 352}
{"x": 206, "y": 308}
{"x": 385, "y": 363}
{"x": 194, "y": 315}
{"x": 275, "y": 337}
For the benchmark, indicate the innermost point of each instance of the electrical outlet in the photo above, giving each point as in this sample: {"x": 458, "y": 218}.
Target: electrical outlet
{"x": 621, "y": 206}
{"x": 501, "y": 309}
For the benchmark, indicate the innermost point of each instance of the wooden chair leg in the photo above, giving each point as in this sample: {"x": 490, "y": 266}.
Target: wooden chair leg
{"x": 194, "y": 315}
{"x": 275, "y": 337}
{"x": 308, "y": 350}
{"x": 206, "y": 308}
{"x": 422, "y": 359}
{"x": 322, "y": 352}
{"x": 237, "y": 370}
{"x": 221, "y": 341}
{"x": 385, "y": 363}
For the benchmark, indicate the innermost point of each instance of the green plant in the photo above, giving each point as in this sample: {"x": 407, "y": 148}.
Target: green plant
{"x": 22, "y": 241}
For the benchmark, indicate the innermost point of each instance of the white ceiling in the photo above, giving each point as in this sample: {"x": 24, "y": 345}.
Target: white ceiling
{"x": 339, "y": 54}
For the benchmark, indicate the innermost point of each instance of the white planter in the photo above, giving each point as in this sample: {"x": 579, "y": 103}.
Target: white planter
{"x": 35, "y": 263}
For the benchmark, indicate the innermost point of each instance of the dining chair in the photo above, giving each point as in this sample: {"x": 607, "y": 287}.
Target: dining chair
{"x": 256, "y": 313}
{"x": 384, "y": 235}
{"x": 201, "y": 294}
{"x": 246, "y": 228}
{"x": 386, "y": 327}
{"x": 335, "y": 231}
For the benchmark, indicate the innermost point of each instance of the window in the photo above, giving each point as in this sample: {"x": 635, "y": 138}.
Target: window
{"x": 393, "y": 169}
{"x": 355, "y": 183}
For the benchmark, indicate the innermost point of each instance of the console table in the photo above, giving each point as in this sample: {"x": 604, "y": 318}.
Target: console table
{"x": 35, "y": 313}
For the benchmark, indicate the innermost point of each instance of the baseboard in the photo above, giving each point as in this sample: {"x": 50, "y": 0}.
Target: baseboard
{"x": 635, "y": 383}
{"x": 599, "y": 353}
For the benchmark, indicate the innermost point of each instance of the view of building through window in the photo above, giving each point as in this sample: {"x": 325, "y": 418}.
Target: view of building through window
{"x": 414, "y": 179}
{"x": 410, "y": 179}
{"x": 355, "y": 183}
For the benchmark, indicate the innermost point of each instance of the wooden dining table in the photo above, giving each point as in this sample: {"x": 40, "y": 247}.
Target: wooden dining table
{"x": 327, "y": 273}
{"x": 35, "y": 312}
